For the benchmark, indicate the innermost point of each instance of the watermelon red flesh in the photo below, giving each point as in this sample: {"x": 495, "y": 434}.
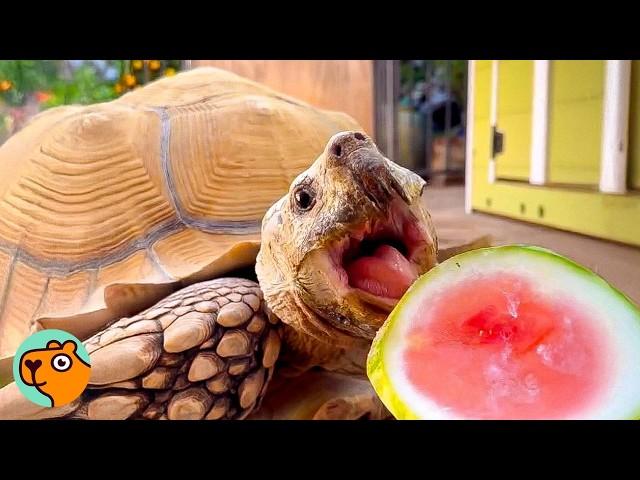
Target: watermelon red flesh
{"x": 509, "y": 332}
{"x": 495, "y": 349}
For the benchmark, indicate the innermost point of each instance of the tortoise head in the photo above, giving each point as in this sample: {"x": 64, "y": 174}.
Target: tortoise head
{"x": 345, "y": 243}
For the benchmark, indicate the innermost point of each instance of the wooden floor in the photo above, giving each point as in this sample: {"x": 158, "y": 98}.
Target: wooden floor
{"x": 618, "y": 264}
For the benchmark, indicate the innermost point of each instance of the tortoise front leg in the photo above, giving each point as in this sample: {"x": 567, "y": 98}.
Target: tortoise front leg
{"x": 365, "y": 406}
{"x": 319, "y": 394}
{"x": 205, "y": 352}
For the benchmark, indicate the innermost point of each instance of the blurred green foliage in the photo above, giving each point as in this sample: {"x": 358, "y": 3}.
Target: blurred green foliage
{"x": 63, "y": 85}
{"x": 29, "y": 86}
{"x": 83, "y": 81}
{"x": 85, "y": 86}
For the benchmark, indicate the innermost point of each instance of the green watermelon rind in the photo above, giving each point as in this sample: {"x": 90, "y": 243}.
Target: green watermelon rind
{"x": 376, "y": 371}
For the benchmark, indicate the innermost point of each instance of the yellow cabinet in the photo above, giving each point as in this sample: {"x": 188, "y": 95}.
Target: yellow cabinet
{"x": 569, "y": 197}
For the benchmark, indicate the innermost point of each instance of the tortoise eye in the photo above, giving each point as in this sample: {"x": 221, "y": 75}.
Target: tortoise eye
{"x": 304, "y": 197}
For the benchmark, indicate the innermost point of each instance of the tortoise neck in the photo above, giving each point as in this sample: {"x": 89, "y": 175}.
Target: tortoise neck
{"x": 302, "y": 352}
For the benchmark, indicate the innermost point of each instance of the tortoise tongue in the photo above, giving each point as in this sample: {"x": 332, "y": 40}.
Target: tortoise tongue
{"x": 386, "y": 273}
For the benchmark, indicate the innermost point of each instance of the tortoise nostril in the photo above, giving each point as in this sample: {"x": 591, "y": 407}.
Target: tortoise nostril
{"x": 343, "y": 144}
{"x": 33, "y": 366}
{"x": 336, "y": 150}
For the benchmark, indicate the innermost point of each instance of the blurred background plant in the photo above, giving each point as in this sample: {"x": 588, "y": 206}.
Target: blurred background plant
{"x": 431, "y": 117}
{"x": 30, "y": 86}
{"x": 415, "y": 74}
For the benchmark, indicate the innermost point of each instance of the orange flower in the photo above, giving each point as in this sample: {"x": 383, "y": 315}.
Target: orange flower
{"x": 136, "y": 64}
{"x": 42, "y": 97}
{"x": 5, "y": 85}
{"x": 129, "y": 80}
{"x": 154, "y": 65}
{"x": 118, "y": 87}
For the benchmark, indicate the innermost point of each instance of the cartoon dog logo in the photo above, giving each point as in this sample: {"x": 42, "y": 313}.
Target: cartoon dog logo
{"x": 55, "y": 371}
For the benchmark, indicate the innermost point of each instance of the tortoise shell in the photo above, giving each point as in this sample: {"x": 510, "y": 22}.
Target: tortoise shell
{"x": 105, "y": 209}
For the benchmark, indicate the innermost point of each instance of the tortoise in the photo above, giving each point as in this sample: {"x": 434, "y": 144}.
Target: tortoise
{"x": 86, "y": 191}
{"x": 136, "y": 224}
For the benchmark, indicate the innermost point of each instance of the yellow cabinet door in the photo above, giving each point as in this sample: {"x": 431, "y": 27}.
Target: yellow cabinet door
{"x": 514, "y": 107}
{"x": 575, "y": 121}
{"x": 634, "y": 127}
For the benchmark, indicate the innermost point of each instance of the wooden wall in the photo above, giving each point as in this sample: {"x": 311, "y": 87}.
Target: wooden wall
{"x": 344, "y": 85}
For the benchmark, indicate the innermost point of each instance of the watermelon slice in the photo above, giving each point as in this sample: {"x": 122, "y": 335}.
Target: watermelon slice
{"x": 510, "y": 332}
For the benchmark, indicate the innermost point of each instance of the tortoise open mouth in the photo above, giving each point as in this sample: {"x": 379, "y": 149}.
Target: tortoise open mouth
{"x": 380, "y": 259}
